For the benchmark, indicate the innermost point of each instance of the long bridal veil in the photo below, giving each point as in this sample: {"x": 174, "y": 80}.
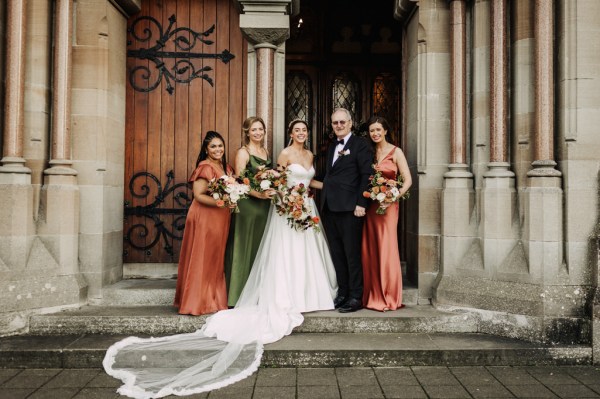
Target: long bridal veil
{"x": 292, "y": 273}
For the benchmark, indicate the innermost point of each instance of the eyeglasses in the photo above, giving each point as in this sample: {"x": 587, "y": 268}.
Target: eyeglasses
{"x": 341, "y": 123}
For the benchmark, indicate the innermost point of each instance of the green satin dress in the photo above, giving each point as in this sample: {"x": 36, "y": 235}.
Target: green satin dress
{"x": 245, "y": 233}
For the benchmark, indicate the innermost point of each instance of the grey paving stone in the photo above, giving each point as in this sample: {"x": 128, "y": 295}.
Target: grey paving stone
{"x": 31, "y": 378}
{"x": 356, "y": 376}
{"x": 361, "y": 392}
{"x": 274, "y": 392}
{"x": 318, "y": 391}
{"x": 202, "y": 395}
{"x": 434, "y": 376}
{"x": 232, "y": 392}
{"x": 573, "y": 391}
{"x": 97, "y": 393}
{"x": 54, "y": 393}
{"x": 473, "y": 375}
{"x": 15, "y": 393}
{"x": 531, "y": 391}
{"x": 72, "y": 378}
{"x": 395, "y": 376}
{"x": 586, "y": 374}
{"x": 247, "y": 382}
{"x": 446, "y": 391}
{"x": 276, "y": 377}
{"x": 489, "y": 391}
{"x": 103, "y": 380}
{"x": 403, "y": 391}
{"x": 595, "y": 387}
{"x": 7, "y": 374}
{"x": 552, "y": 376}
{"x": 512, "y": 375}
{"x": 317, "y": 376}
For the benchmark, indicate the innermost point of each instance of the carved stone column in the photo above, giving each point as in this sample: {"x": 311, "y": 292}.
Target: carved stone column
{"x": 265, "y": 73}
{"x": 59, "y": 226}
{"x": 543, "y": 227}
{"x": 266, "y": 26}
{"x": 458, "y": 194}
{"x": 499, "y": 200}
{"x": 61, "y": 103}
{"x": 16, "y": 25}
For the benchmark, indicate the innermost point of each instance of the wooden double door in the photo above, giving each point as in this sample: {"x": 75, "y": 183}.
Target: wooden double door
{"x": 186, "y": 75}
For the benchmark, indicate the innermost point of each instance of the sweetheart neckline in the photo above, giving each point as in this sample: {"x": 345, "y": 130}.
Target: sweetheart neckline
{"x": 299, "y": 164}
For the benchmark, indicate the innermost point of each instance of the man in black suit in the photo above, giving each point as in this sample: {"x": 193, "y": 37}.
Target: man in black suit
{"x": 349, "y": 165}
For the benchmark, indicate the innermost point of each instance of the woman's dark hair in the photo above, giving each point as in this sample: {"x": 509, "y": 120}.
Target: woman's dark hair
{"x": 210, "y": 135}
{"x": 378, "y": 119}
{"x": 291, "y": 128}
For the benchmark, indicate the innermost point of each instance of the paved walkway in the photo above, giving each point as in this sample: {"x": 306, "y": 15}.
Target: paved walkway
{"x": 334, "y": 383}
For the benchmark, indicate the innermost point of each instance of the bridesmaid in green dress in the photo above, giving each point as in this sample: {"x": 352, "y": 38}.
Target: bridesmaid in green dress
{"x": 248, "y": 225}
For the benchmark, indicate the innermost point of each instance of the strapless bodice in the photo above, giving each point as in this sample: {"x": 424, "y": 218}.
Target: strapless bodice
{"x": 299, "y": 174}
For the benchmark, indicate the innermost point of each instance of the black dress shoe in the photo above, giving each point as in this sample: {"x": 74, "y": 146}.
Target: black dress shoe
{"x": 352, "y": 305}
{"x": 339, "y": 301}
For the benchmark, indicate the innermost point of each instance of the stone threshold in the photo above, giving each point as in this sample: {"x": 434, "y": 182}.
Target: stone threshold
{"x": 316, "y": 350}
{"x": 164, "y": 320}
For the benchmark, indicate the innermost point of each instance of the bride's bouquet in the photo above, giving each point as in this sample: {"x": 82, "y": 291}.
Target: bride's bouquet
{"x": 385, "y": 191}
{"x": 293, "y": 204}
{"x": 265, "y": 179}
{"x": 227, "y": 191}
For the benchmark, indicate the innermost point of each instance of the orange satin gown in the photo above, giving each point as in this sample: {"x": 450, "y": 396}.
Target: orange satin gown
{"x": 380, "y": 256}
{"x": 200, "y": 276}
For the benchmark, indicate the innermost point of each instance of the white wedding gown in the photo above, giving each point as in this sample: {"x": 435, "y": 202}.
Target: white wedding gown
{"x": 292, "y": 273}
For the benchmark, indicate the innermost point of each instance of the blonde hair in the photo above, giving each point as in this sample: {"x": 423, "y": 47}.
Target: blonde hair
{"x": 248, "y": 124}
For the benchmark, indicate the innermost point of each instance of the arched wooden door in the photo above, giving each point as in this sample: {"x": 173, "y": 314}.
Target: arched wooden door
{"x": 186, "y": 75}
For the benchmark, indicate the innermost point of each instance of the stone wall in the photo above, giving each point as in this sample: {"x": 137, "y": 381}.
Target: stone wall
{"x": 98, "y": 114}
{"x": 427, "y": 99}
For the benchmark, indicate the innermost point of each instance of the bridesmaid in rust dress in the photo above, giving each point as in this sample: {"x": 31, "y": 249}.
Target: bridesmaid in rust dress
{"x": 380, "y": 256}
{"x": 200, "y": 276}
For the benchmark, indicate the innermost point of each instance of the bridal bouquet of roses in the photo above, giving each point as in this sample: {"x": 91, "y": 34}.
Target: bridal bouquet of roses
{"x": 385, "y": 191}
{"x": 227, "y": 191}
{"x": 292, "y": 203}
{"x": 265, "y": 179}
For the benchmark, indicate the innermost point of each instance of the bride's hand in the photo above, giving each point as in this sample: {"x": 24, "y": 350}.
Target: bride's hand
{"x": 267, "y": 194}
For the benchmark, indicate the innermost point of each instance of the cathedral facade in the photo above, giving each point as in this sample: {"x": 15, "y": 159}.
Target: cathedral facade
{"x": 496, "y": 104}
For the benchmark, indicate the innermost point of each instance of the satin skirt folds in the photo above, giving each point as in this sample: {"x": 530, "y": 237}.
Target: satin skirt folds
{"x": 200, "y": 278}
{"x": 382, "y": 272}
{"x": 245, "y": 234}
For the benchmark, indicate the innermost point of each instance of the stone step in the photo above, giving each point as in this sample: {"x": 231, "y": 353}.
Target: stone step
{"x": 313, "y": 350}
{"x": 164, "y": 320}
{"x": 159, "y": 292}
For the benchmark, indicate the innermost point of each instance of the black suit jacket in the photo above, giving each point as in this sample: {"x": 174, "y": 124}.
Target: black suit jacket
{"x": 345, "y": 182}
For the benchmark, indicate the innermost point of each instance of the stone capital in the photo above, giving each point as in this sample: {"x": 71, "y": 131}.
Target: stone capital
{"x": 273, "y": 29}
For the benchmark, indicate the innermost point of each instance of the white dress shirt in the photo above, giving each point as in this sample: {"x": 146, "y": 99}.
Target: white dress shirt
{"x": 340, "y": 147}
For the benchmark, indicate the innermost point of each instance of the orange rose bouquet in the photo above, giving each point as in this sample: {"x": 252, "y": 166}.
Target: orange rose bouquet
{"x": 293, "y": 203}
{"x": 266, "y": 179}
{"x": 227, "y": 191}
{"x": 385, "y": 191}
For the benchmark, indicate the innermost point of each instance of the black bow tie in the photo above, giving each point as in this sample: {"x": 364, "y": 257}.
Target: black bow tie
{"x": 341, "y": 141}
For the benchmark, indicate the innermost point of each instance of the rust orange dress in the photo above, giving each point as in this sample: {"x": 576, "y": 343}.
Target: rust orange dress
{"x": 380, "y": 256}
{"x": 200, "y": 275}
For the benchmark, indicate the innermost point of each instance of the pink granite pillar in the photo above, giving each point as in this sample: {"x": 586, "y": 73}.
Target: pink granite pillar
{"x": 458, "y": 83}
{"x": 543, "y": 143}
{"x": 265, "y": 74}
{"x": 16, "y": 24}
{"x": 498, "y": 84}
{"x": 61, "y": 88}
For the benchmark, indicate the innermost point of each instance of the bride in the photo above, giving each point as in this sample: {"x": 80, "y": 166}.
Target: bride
{"x": 292, "y": 273}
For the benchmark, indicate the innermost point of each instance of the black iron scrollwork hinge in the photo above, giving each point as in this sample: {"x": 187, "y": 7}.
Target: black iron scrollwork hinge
{"x": 153, "y": 211}
{"x": 183, "y": 69}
